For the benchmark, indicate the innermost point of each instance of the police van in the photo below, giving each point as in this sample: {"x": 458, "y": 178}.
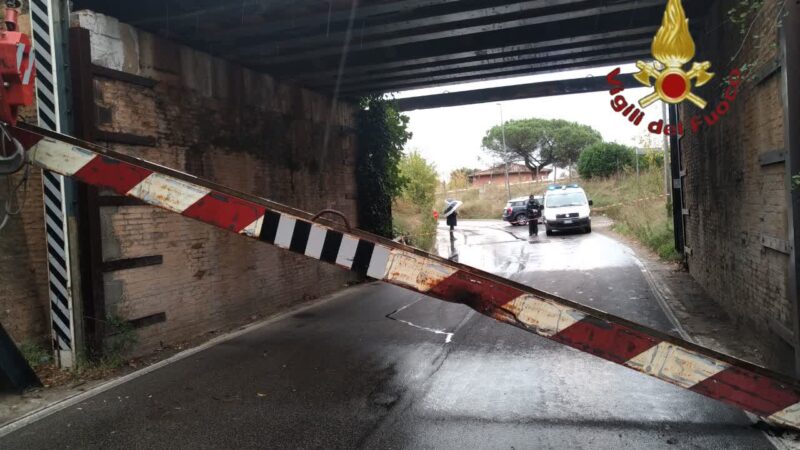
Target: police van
{"x": 566, "y": 208}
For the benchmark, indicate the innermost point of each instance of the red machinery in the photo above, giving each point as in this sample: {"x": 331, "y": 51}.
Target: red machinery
{"x": 16, "y": 67}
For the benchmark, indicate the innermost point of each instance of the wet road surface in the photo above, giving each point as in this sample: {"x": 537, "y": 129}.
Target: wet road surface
{"x": 380, "y": 367}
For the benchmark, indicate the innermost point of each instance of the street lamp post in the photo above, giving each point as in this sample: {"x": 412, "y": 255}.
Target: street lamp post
{"x": 667, "y": 180}
{"x": 505, "y": 150}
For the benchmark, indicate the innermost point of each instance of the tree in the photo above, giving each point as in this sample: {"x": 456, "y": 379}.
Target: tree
{"x": 421, "y": 180}
{"x": 570, "y": 139}
{"x": 605, "y": 159}
{"x": 652, "y": 154}
{"x": 382, "y": 132}
{"x": 459, "y": 178}
{"x": 540, "y": 142}
{"x": 526, "y": 140}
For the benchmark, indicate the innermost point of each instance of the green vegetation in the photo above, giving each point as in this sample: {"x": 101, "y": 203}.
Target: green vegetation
{"x": 605, "y": 159}
{"x": 120, "y": 339}
{"x": 743, "y": 13}
{"x": 459, "y": 178}
{"x": 413, "y": 215}
{"x": 648, "y": 221}
{"x": 35, "y": 354}
{"x": 382, "y": 132}
{"x": 421, "y": 180}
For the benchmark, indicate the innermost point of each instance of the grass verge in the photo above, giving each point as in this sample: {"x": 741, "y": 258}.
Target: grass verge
{"x": 416, "y": 226}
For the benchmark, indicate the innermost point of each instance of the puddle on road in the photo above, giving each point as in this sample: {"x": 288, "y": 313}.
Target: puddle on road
{"x": 487, "y": 247}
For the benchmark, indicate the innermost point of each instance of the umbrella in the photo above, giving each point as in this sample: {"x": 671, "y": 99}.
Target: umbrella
{"x": 452, "y": 206}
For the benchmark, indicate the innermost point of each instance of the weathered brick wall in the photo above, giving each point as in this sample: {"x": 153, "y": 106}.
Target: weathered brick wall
{"x": 24, "y": 308}
{"x": 235, "y": 127}
{"x": 733, "y": 200}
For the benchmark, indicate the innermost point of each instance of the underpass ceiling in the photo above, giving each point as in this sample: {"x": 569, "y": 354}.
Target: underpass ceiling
{"x": 400, "y": 45}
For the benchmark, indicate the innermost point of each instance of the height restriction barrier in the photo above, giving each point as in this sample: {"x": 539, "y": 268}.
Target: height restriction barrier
{"x": 752, "y": 388}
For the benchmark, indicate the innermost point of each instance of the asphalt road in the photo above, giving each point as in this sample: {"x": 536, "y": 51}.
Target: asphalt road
{"x": 380, "y": 367}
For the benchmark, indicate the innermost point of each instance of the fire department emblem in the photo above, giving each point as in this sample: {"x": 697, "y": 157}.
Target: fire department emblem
{"x": 672, "y": 48}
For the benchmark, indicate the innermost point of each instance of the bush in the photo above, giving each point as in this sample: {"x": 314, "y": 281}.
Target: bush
{"x": 421, "y": 180}
{"x": 605, "y": 159}
{"x": 651, "y": 159}
{"x": 413, "y": 215}
{"x": 35, "y": 354}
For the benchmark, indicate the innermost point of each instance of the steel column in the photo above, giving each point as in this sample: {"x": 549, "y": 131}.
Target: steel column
{"x": 49, "y": 64}
{"x": 677, "y": 181}
{"x": 790, "y": 93}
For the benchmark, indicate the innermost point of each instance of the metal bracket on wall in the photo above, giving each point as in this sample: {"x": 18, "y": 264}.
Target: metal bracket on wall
{"x": 772, "y": 157}
{"x": 782, "y": 331}
{"x": 779, "y": 245}
{"x": 767, "y": 71}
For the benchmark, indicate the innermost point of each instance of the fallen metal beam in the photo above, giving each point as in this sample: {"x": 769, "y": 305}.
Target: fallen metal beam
{"x": 671, "y": 359}
{"x": 516, "y": 92}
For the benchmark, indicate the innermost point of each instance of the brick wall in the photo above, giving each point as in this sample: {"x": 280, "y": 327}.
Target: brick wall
{"x": 733, "y": 200}
{"x": 24, "y": 308}
{"x": 233, "y": 126}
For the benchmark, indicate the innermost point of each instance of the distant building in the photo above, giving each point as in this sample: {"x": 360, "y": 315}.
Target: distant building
{"x": 517, "y": 173}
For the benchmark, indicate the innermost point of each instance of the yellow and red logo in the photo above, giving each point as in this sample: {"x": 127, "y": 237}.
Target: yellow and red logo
{"x": 672, "y": 48}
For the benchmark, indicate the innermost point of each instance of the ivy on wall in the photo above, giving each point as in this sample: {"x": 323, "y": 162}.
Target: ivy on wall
{"x": 382, "y": 132}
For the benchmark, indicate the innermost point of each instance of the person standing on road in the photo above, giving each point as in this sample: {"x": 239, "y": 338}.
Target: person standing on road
{"x": 450, "y": 213}
{"x": 534, "y": 211}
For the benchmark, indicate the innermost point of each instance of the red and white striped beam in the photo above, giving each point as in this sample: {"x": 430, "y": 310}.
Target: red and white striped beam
{"x": 668, "y": 358}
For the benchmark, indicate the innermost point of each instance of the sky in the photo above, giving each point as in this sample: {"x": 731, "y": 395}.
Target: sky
{"x": 451, "y": 137}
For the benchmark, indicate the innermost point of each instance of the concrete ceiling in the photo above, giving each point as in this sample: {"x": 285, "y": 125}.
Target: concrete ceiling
{"x": 398, "y": 45}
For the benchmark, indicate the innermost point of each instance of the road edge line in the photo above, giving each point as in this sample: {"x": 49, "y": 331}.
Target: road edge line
{"x": 661, "y": 298}
{"x": 59, "y": 405}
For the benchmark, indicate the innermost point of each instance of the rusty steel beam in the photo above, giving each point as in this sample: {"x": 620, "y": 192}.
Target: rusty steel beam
{"x": 458, "y": 32}
{"x": 515, "y": 92}
{"x": 332, "y": 18}
{"x": 447, "y": 19}
{"x": 502, "y": 62}
{"x": 668, "y": 358}
{"x": 455, "y": 59}
{"x": 500, "y": 73}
